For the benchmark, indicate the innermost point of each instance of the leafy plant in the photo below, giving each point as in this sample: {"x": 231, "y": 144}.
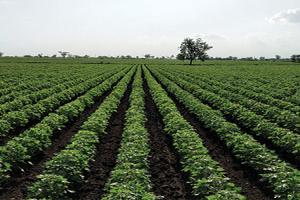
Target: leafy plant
{"x": 49, "y": 186}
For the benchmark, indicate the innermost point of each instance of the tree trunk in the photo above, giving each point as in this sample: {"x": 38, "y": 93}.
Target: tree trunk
{"x": 191, "y": 60}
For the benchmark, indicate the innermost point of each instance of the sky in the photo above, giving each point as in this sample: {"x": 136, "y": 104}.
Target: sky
{"x": 239, "y": 28}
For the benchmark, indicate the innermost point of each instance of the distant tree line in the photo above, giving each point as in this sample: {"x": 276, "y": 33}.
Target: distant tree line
{"x": 69, "y": 55}
{"x": 190, "y": 49}
{"x": 294, "y": 58}
{"x": 276, "y": 58}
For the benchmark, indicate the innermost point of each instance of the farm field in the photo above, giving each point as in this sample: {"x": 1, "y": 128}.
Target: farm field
{"x": 149, "y": 129}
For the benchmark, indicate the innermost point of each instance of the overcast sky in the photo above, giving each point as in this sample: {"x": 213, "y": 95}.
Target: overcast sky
{"x": 136, "y": 27}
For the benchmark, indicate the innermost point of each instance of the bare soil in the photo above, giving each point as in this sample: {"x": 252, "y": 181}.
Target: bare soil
{"x": 165, "y": 169}
{"x": 106, "y": 155}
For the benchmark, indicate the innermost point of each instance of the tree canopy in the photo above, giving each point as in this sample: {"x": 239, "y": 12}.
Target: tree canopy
{"x": 191, "y": 49}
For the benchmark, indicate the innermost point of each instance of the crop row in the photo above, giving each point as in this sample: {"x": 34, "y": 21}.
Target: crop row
{"x": 282, "y": 139}
{"x": 50, "y": 81}
{"x": 277, "y": 88}
{"x": 284, "y": 118}
{"x": 44, "y": 85}
{"x": 269, "y": 82}
{"x": 251, "y": 93}
{"x": 294, "y": 98}
{"x": 130, "y": 177}
{"x": 69, "y": 165}
{"x": 28, "y": 81}
{"x": 29, "y": 113}
{"x": 21, "y": 102}
{"x": 36, "y": 80}
{"x": 205, "y": 175}
{"x": 281, "y": 178}
{"x": 19, "y": 150}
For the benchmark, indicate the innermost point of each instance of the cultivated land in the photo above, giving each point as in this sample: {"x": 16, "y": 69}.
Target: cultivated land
{"x": 149, "y": 129}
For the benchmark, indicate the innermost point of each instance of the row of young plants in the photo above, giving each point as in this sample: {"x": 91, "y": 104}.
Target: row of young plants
{"x": 207, "y": 178}
{"x": 22, "y": 81}
{"x": 50, "y": 81}
{"x": 33, "y": 79}
{"x": 33, "y": 88}
{"x": 276, "y": 88}
{"x": 279, "y": 97}
{"x": 282, "y": 139}
{"x": 263, "y": 97}
{"x": 279, "y": 82}
{"x": 294, "y": 98}
{"x": 30, "y": 99}
{"x": 7, "y": 80}
{"x": 130, "y": 178}
{"x": 251, "y": 93}
{"x": 21, "y": 118}
{"x": 275, "y": 174}
{"x": 266, "y": 81}
{"x": 273, "y": 88}
{"x": 18, "y": 151}
{"x": 284, "y": 118}
{"x": 68, "y": 167}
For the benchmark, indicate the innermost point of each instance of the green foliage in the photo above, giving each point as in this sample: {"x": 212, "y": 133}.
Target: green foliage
{"x": 130, "y": 177}
{"x": 4, "y": 127}
{"x": 50, "y": 187}
{"x": 191, "y": 49}
{"x": 205, "y": 174}
{"x": 281, "y": 138}
{"x": 253, "y": 101}
{"x": 73, "y": 162}
{"x": 20, "y": 112}
{"x": 22, "y": 148}
{"x": 261, "y": 97}
{"x": 180, "y": 56}
{"x": 68, "y": 163}
{"x": 278, "y": 175}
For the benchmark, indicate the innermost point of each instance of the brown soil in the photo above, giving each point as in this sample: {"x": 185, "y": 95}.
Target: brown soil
{"x": 165, "y": 169}
{"x": 241, "y": 176}
{"x": 16, "y": 187}
{"x": 106, "y": 155}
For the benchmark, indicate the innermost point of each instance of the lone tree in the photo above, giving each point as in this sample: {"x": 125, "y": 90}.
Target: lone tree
{"x": 191, "y": 49}
{"x": 1, "y": 54}
{"x": 63, "y": 53}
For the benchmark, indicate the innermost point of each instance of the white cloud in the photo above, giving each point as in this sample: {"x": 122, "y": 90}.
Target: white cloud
{"x": 290, "y": 16}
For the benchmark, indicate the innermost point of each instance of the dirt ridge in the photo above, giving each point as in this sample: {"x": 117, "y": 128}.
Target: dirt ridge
{"x": 106, "y": 153}
{"x": 165, "y": 169}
